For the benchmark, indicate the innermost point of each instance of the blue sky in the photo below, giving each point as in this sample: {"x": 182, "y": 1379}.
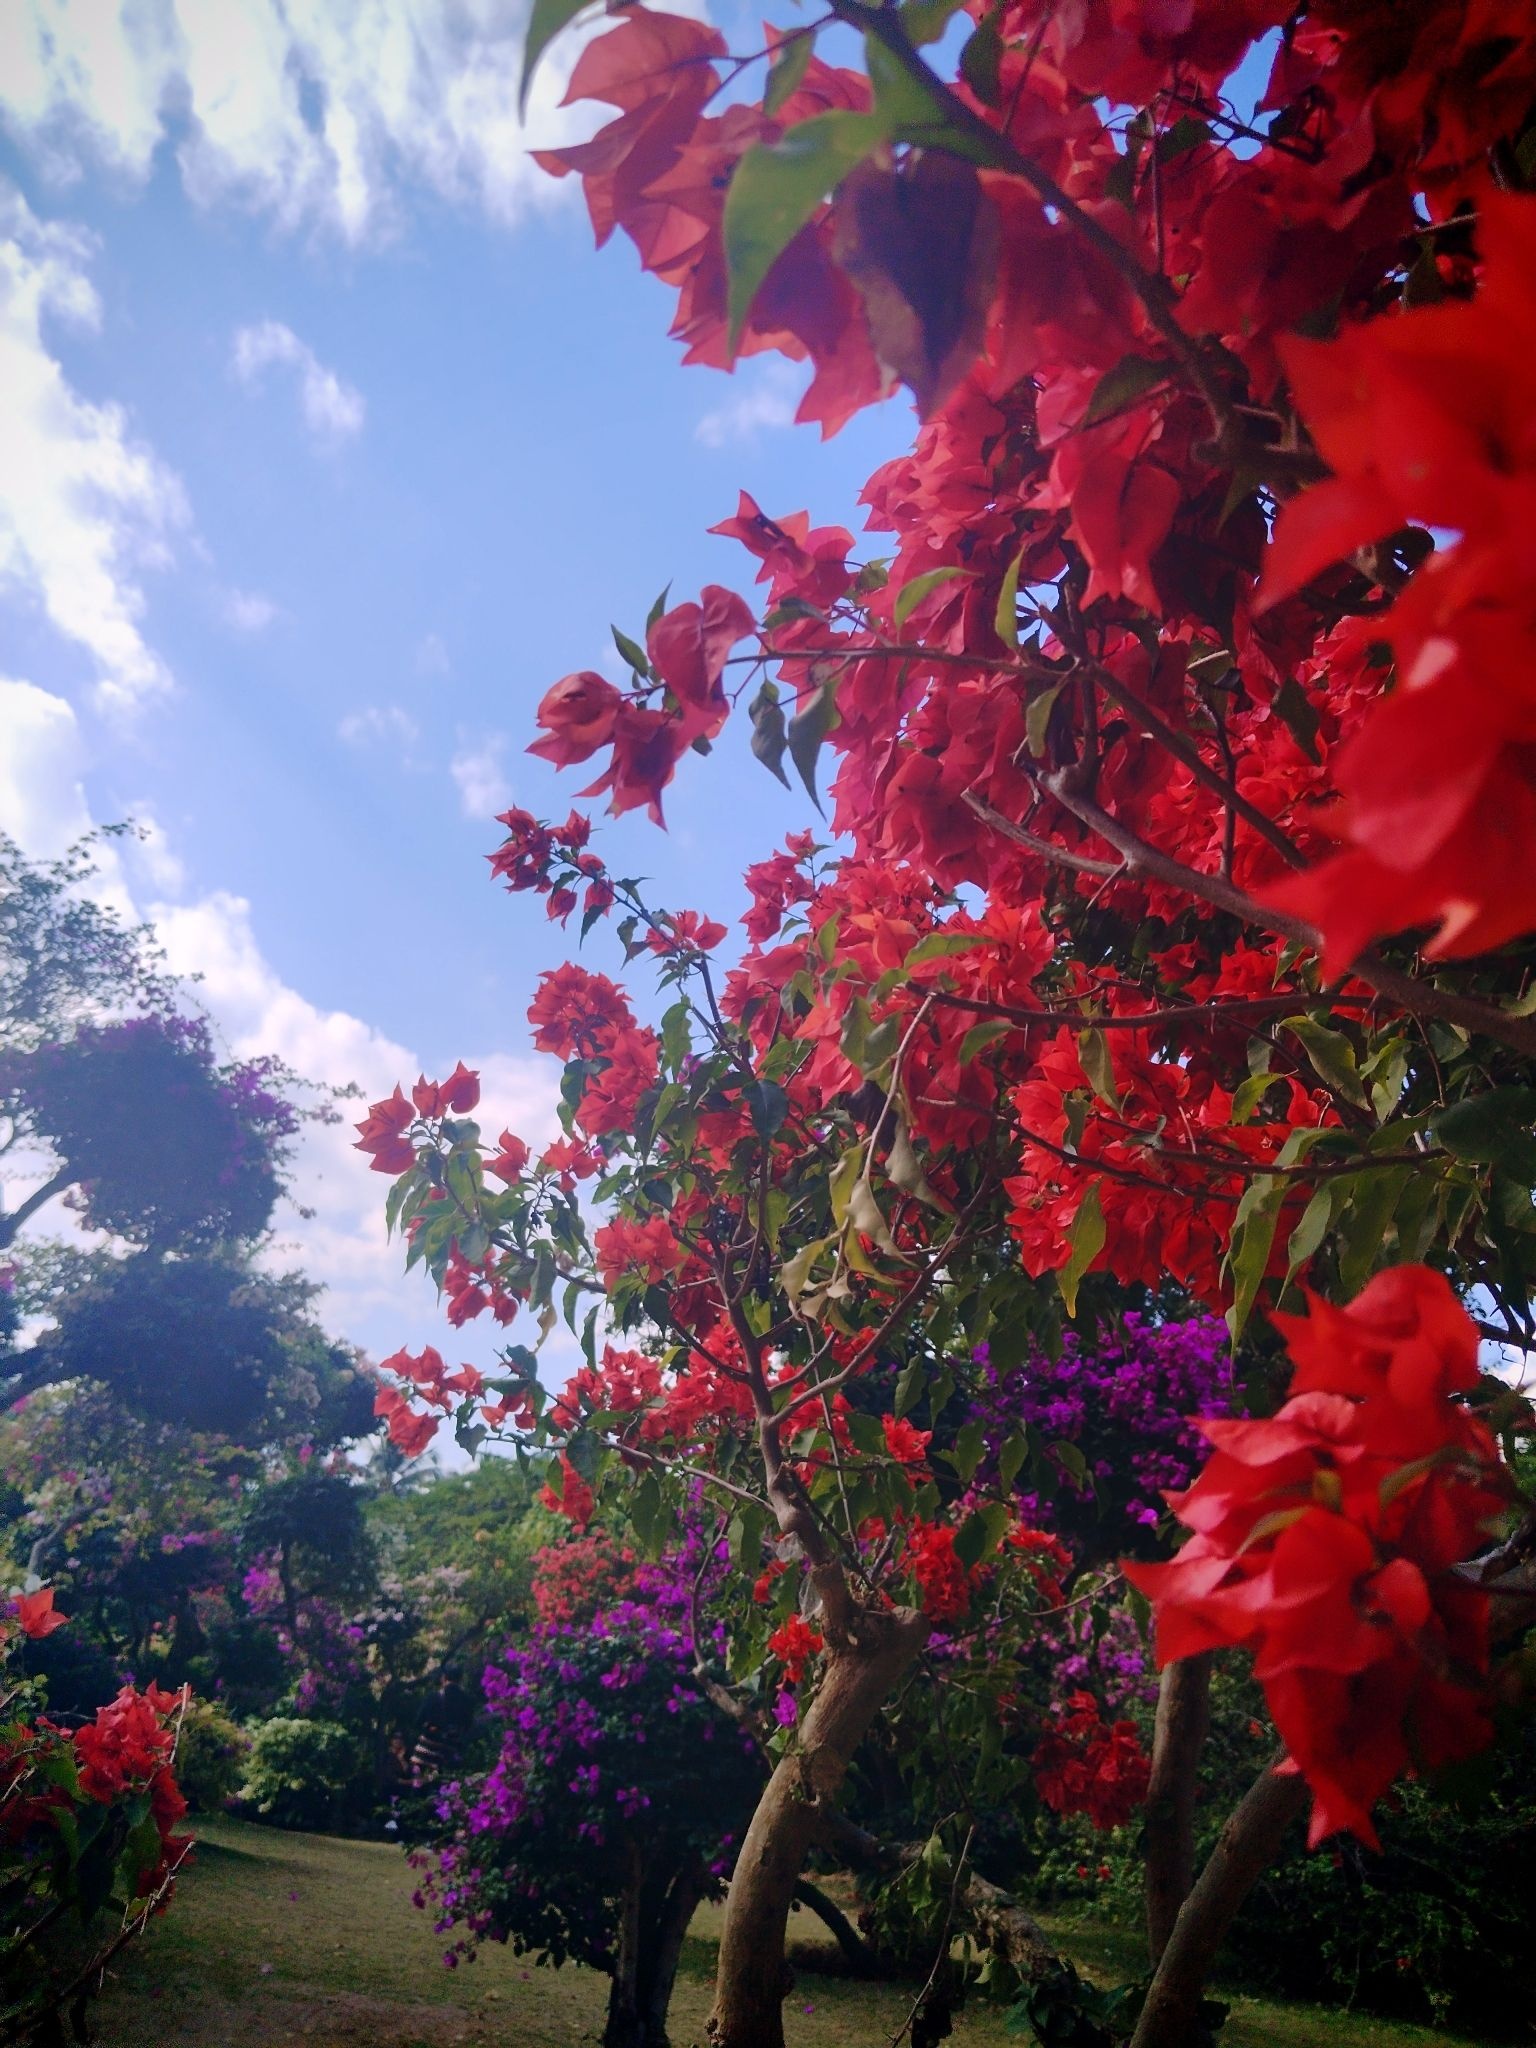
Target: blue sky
{"x": 331, "y": 444}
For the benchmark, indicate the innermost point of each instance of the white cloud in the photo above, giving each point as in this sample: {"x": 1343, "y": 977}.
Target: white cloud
{"x": 248, "y": 611}
{"x": 303, "y": 110}
{"x": 333, "y": 411}
{"x": 84, "y": 507}
{"x": 376, "y": 723}
{"x": 767, "y": 396}
{"x": 42, "y": 798}
{"x": 213, "y": 937}
{"x": 432, "y": 656}
{"x": 482, "y": 778}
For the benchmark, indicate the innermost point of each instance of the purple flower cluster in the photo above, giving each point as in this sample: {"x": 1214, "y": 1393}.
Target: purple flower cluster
{"x": 609, "y": 1750}
{"x": 1122, "y": 1403}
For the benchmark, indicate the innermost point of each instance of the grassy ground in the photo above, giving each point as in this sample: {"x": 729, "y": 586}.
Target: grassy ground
{"x": 279, "y": 1939}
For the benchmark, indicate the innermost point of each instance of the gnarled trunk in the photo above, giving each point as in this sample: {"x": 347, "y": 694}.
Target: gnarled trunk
{"x": 1246, "y": 1847}
{"x": 860, "y": 1672}
{"x": 654, "y": 1913}
{"x": 1183, "y": 1716}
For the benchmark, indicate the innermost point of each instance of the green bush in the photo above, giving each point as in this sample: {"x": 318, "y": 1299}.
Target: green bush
{"x": 210, "y": 1757}
{"x": 302, "y": 1773}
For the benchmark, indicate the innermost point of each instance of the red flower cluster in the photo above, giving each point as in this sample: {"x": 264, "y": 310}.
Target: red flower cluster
{"x": 128, "y": 1749}
{"x": 794, "y": 1643}
{"x": 943, "y": 1582}
{"x": 574, "y": 1500}
{"x": 410, "y": 1429}
{"x": 1083, "y": 1764}
{"x": 1428, "y": 419}
{"x": 688, "y": 647}
{"x": 1326, "y": 1540}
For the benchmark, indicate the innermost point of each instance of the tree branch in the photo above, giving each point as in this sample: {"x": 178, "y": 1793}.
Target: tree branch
{"x": 1417, "y": 997}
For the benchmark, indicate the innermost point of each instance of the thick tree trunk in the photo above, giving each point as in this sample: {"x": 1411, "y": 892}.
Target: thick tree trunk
{"x": 859, "y": 1675}
{"x": 1183, "y": 1716}
{"x": 665, "y": 1948}
{"x": 1247, "y": 1845}
{"x": 626, "y": 2022}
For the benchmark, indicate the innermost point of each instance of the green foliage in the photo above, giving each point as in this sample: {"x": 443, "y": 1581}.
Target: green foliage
{"x": 210, "y": 1757}
{"x": 301, "y": 1773}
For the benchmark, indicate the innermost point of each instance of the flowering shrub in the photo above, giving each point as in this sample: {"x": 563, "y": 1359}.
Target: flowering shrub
{"x": 87, "y": 1822}
{"x": 612, "y": 1808}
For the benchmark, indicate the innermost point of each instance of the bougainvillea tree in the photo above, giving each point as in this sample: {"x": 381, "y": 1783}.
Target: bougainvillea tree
{"x": 1179, "y": 928}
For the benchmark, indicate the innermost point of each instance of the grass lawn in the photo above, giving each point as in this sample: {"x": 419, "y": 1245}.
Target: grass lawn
{"x": 279, "y": 1938}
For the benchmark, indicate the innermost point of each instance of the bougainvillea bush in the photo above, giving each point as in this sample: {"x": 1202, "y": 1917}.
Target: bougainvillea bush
{"x": 1176, "y": 928}
{"x": 88, "y": 1845}
{"x": 614, "y": 1804}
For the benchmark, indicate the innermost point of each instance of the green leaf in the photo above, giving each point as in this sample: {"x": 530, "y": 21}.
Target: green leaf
{"x": 1332, "y": 1056}
{"x": 632, "y": 652}
{"x": 1486, "y": 1128}
{"x": 924, "y": 21}
{"x": 775, "y": 190}
{"x": 980, "y": 1036}
{"x": 1363, "y": 1226}
{"x": 770, "y": 734}
{"x": 1005, "y": 620}
{"x": 1130, "y": 379}
{"x": 808, "y": 728}
{"x": 1253, "y": 1235}
{"x": 1295, "y": 707}
{"x": 909, "y": 1385}
{"x": 1093, "y": 1057}
{"x": 981, "y": 61}
{"x": 1010, "y": 1460}
{"x": 911, "y": 595}
{"x": 941, "y": 945}
{"x": 549, "y": 17}
{"x": 768, "y": 1105}
{"x": 1312, "y": 1229}
{"x": 1250, "y": 1094}
{"x": 1037, "y": 717}
{"x": 787, "y": 70}
{"x": 1071, "y": 1460}
{"x": 980, "y": 1534}
{"x": 1086, "y": 1237}
{"x": 970, "y": 1448}
{"x": 905, "y": 1170}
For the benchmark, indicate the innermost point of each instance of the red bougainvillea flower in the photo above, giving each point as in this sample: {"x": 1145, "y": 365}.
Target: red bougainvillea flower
{"x": 36, "y": 1614}
{"x": 579, "y": 715}
{"x": 943, "y": 1581}
{"x": 511, "y": 1160}
{"x": 382, "y": 1134}
{"x": 1326, "y": 1539}
{"x": 794, "y": 1643}
{"x": 456, "y": 1096}
{"x": 1086, "y": 1765}
{"x": 1429, "y": 419}
{"x": 574, "y": 1500}
{"x": 906, "y": 1444}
